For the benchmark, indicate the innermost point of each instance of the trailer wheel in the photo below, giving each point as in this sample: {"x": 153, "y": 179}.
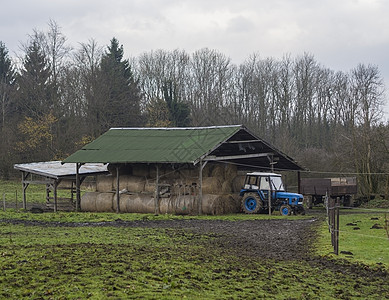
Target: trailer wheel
{"x": 251, "y": 203}
{"x": 285, "y": 210}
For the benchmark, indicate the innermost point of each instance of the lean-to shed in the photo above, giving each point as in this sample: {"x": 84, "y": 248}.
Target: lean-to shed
{"x": 52, "y": 174}
{"x": 172, "y": 149}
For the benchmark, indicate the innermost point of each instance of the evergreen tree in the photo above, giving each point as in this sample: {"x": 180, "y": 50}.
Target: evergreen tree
{"x": 179, "y": 111}
{"x": 34, "y": 87}
{"x": 120, "y": 94}
{"x": 7, "y": 81}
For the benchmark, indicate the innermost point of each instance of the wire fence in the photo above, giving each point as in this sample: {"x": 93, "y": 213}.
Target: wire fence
{"x": 333, "y": 210}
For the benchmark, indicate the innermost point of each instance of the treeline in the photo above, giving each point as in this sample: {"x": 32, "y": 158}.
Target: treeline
{"x": 55, "y": 98}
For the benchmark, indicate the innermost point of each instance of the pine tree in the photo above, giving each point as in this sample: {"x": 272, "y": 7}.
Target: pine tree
{"x": 7, "y": 81}
{"x": 120, "y": 94}
{"x": 179, "y": 111}
{"x": 34, "y": 87}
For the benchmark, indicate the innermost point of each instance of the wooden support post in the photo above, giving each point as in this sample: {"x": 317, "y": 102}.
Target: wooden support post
{"x": 72, "y": 193}
{"x": 55, "y": 185}
{"x": 156, "y": 198}
{"x": 299, "y": 182}
{"x": 25, "y": 185}
{"x": 78, "y": 189}
{"x": 117, "y": 190}
{"x": 200, "y": 196}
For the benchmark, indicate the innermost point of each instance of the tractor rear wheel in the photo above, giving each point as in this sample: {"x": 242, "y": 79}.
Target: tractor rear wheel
{"x": 251, "y": 203}
{"x": 285, "y": 210}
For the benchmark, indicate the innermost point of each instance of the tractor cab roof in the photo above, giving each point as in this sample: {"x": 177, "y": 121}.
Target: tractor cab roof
{"x": 263, "y": 174}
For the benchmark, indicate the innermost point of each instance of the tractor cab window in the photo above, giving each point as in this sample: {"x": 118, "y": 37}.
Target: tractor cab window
{"x": 251, "y": 182}
{"x": 265, "y": 183}
{"x": 277, "y": 184}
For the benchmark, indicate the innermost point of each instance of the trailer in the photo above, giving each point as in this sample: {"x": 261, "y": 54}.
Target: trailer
{"x": 315, "y": 189}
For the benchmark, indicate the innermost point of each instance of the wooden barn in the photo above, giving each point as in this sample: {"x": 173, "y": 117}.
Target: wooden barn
{"x": 195, "y": 170}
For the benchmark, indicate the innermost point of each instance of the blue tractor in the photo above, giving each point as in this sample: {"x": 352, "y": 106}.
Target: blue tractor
{"x": 255, "y": 195}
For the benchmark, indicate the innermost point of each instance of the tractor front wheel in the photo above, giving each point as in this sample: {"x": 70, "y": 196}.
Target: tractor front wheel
{"x": 251, "y": 203}
{"x": 285, "y": 210}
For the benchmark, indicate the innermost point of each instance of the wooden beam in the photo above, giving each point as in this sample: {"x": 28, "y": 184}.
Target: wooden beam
{"x": 231, "y": 157}
{"x": 242, "y": 142}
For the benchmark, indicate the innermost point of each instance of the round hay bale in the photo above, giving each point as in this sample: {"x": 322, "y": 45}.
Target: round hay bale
{"x": 230, "y": 204}
{"x": 104, "y": 202}
{"x": 166, "y": 205}
{"x": 104, "y": 183}
{"x": 88, "y": 201}
{"x": 209, "y": 204}
{"x": 211, "y": 185}
{"x": 150, "y": 185}
{"x": 135, "y": 184}
{"x": 139, "y": 203}
{"x": 237, "y": 183}
{"x": 230, "y": 172}
{"x": 226, "y": 187}
{"x": 218, "y": 171}
{"x": 123, "y": 200}
{"x": 184, "y": 205}
{"x": 219, "y": 204}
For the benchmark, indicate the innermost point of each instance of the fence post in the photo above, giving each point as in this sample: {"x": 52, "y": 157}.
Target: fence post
{"x": 332, "y": 219}
{"x": 336, "y": 247}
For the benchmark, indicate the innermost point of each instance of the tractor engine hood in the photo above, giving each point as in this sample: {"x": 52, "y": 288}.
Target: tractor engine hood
{"x": 289, "y": 195}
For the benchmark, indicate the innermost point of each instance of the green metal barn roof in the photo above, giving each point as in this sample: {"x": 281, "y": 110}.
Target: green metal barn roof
{"x": 182, "y": 145}
{"x": 144, "y": 145}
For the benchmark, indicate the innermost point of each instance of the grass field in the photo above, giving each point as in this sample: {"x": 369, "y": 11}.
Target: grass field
{"x": 12, "y": 192}
{"x": 362, "y": 237}
{"x": 40, "y": 261}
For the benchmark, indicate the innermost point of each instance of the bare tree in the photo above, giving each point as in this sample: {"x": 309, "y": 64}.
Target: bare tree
{"x": 367, "y": 90}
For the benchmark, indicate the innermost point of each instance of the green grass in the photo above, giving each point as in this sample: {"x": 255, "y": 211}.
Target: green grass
{"x": 48, "y": 262}
{"x": 367, "y": 245}
{"x": 36, "y": 193}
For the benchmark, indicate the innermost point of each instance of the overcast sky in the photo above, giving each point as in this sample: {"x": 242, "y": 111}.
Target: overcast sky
{"x": 339, "y": 33}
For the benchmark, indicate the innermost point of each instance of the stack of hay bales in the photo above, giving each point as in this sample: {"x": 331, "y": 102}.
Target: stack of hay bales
{"x": 138, "y": 191}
